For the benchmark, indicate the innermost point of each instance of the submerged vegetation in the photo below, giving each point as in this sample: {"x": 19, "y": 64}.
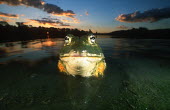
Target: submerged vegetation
{"x": 141, "y": 90}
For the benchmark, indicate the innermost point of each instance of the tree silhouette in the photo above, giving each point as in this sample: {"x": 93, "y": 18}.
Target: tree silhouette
{"x": 142, "y": 32}
{"x": 23, "y": 32}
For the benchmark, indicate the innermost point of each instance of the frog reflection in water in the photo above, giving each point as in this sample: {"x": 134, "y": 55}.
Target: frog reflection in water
{"x": 81, "y": 56}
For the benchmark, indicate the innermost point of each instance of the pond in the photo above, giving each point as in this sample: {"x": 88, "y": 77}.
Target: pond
{"x": 137, "y": 76}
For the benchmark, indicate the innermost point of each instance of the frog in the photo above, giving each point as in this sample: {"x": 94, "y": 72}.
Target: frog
{"x": 81, "y": 56}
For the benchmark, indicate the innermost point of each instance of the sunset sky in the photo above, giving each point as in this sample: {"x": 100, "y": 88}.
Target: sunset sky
{"x": 97, "y": 15}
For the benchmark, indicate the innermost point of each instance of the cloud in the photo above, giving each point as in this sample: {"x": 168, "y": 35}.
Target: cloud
{"x": 32, "y": 3}
{"x": 40, "y": 4}
{"x": 6, "y": 20}
{"x": 46, "y": 22}
{"x": 147, "y": 16}
{"x": 87, "y": 13}
{"x": 55, "y": 10}
{"x": 123, "y": 27}
{"x": 68, "y": 21}
{"x": 8, "y": 15}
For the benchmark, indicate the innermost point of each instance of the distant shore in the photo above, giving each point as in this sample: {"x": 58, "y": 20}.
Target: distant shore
{"x": 21, "y": 33}
{"x": 140, "y": 33}
{"x": 11, "y": 33}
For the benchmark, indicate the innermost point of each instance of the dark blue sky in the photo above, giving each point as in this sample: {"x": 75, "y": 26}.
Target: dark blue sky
{"x": 98, "y": 15}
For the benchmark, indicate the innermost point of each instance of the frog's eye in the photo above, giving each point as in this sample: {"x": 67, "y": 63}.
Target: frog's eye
{"x": 67, "y": 40}
{"x": 92, "y": 39}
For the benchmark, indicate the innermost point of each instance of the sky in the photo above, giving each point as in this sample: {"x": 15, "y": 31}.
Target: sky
{"x": 98, "y": 15}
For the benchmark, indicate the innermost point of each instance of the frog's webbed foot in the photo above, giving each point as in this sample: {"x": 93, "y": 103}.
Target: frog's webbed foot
{"x": 100, "y": 69}
{"x": 61, "y": 67}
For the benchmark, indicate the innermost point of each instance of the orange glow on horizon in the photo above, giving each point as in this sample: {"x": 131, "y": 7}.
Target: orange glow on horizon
{"x": 6, "y": 20}
{"x": 48, "y": 25}
{"x": 9, "y": 16}
{"x": 36, "y": 23}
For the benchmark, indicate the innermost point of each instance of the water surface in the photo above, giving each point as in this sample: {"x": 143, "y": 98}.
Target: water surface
{"x": 137, "y": 76}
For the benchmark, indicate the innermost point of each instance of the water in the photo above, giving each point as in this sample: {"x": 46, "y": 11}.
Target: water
{"x": 137, "y": 77}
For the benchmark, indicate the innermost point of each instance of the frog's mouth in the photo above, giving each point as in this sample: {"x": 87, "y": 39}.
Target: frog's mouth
{"x": 83, "y": 53}
{"x": 80, "y": 63}
{"x": 84, "y": 66}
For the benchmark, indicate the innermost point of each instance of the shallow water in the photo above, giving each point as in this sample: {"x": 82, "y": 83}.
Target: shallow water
{"x": 137, "y": 76}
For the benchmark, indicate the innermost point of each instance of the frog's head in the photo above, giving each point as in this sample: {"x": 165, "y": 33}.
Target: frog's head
{"x": 81, "y": 56}
{"x": 84, "y": 46}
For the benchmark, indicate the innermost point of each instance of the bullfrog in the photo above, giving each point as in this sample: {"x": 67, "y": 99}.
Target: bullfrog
{"x": 81, "y": 56}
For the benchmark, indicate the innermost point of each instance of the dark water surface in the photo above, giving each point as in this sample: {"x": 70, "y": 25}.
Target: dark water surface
{"x": 137, "y": 77}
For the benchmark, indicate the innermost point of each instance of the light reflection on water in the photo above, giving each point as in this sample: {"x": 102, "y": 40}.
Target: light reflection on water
{"x": 29, "y": 72}
{"x": 116, "y": 47}
{"x": 36, "y": 49}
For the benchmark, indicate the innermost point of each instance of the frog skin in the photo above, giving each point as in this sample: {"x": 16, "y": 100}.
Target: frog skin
{"x": 81, "y": 56}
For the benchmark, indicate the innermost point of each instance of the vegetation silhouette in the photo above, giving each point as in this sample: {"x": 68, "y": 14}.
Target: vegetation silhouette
{"x": 23, "y": 32}
{"x": 142, "y": 32}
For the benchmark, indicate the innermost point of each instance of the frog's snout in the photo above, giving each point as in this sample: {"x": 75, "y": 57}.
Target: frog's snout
{"x": 74, "y": 53}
